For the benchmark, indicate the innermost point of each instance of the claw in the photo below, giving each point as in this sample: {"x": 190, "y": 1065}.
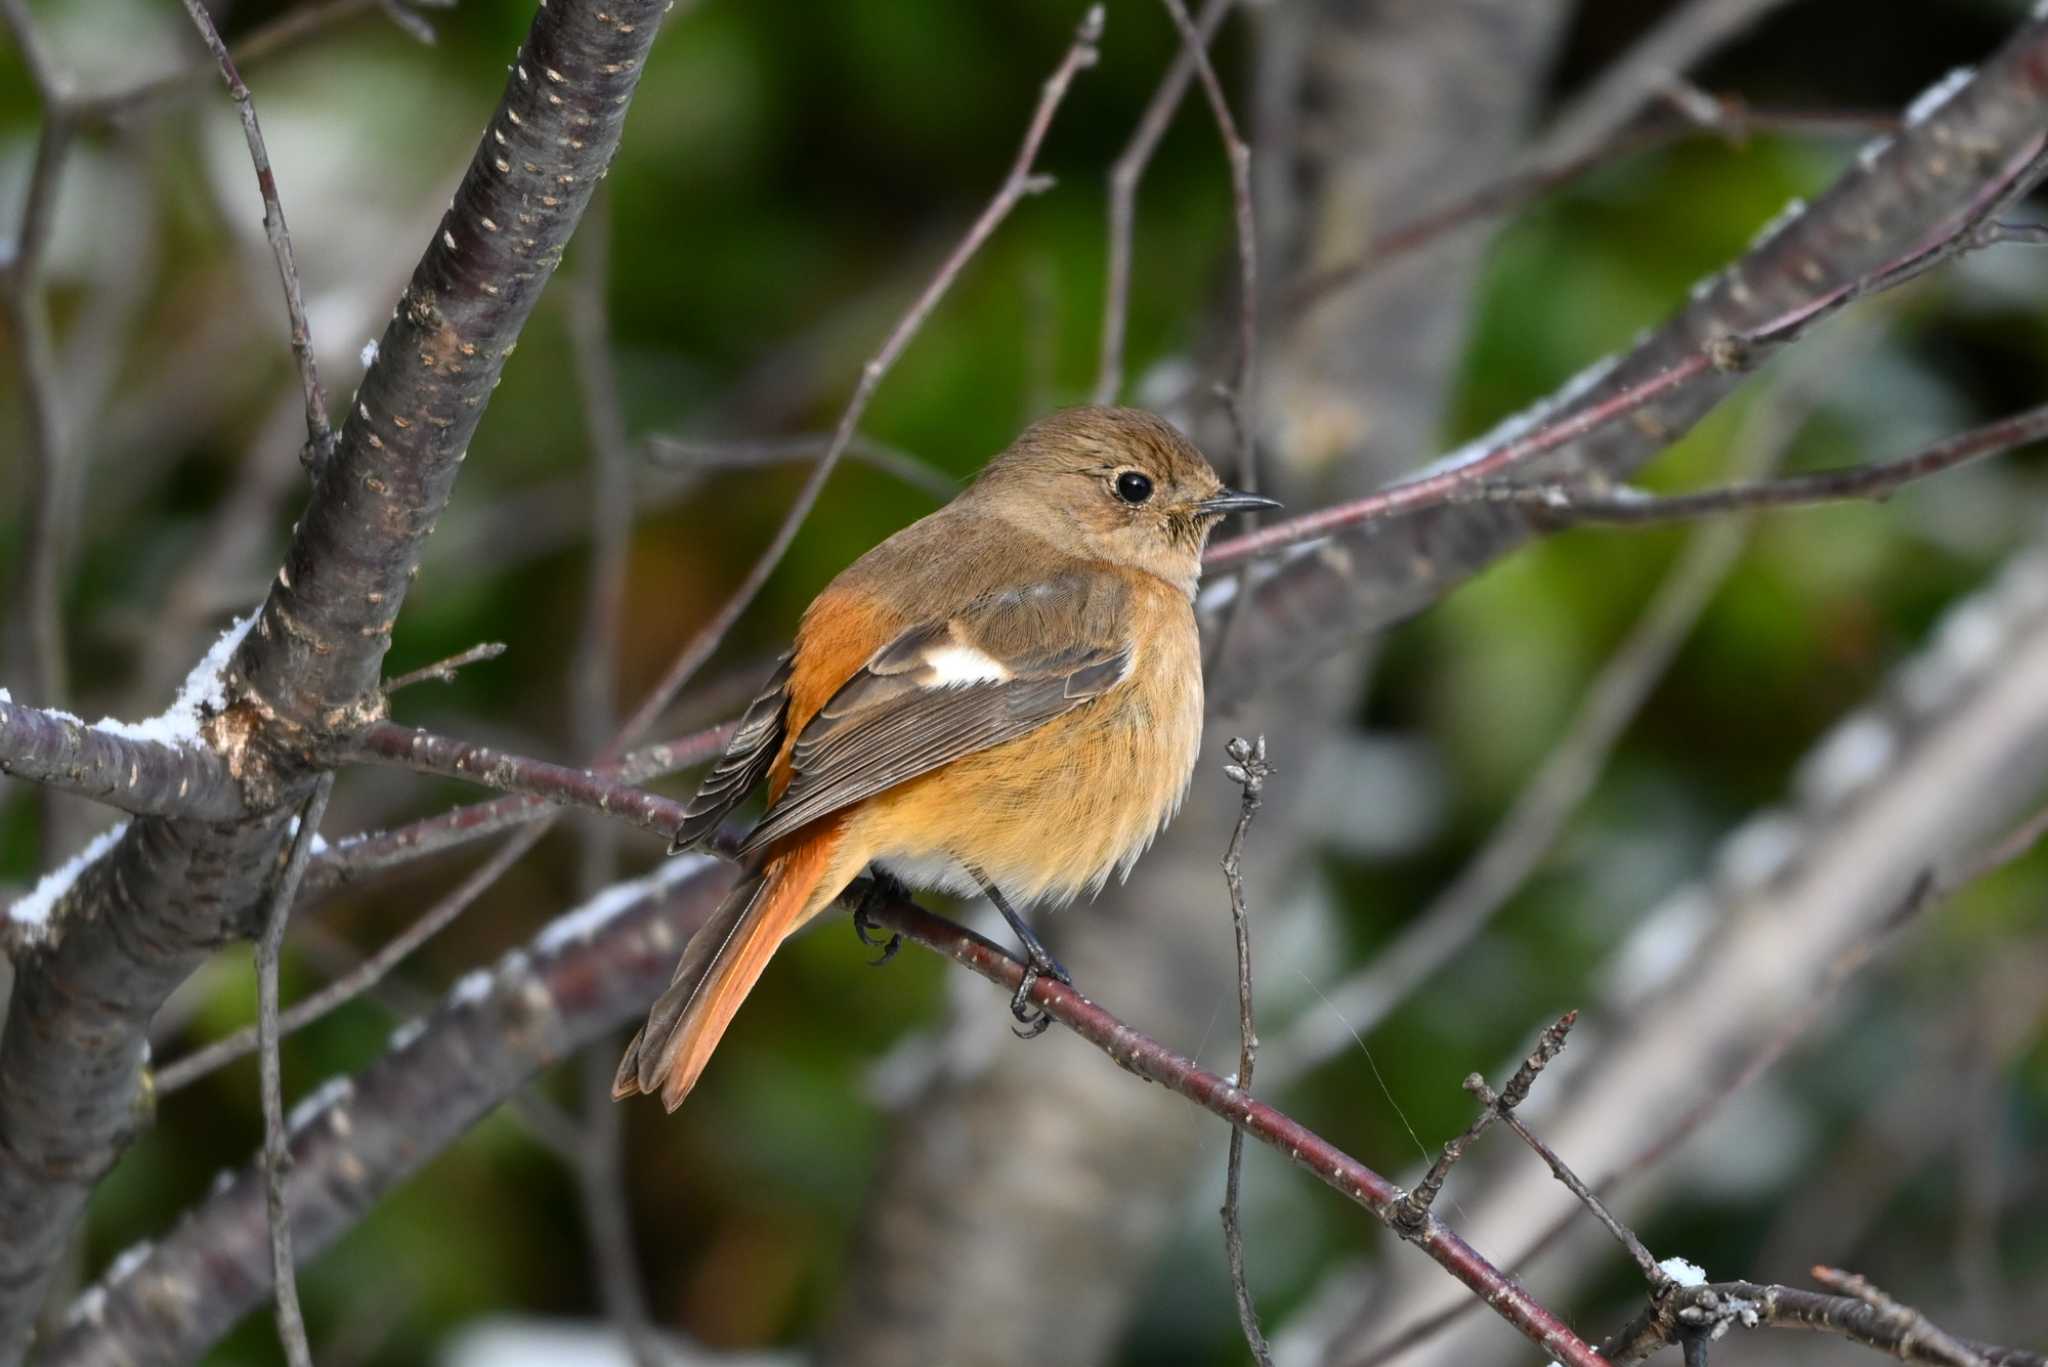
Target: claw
{"x": 1033, "y": 1021}
{"x": 879, "y": 887}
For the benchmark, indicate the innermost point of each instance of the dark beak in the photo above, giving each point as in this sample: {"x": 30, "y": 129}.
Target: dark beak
{"x": 1235, "y": 501}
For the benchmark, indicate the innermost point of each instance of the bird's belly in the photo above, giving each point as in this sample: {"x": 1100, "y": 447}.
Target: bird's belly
{"x": 1055, "y": 812}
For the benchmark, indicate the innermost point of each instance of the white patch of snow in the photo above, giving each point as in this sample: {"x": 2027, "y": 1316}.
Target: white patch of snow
{"x": 89, "y": 1308}
{"x": 1660, "y": 945}
{"x": 125, "y": 1262}
{"x": 1758, "y": 851}
{"x": 203, "y": 693}
{"x": 406, "y": 1035}
{"x": 1780, "y": 221}
{"x": 1937, "y": 95}
{"x": 1683, "y": 1272}
{"x": 1852, "y": 756}
{"x": 369, "y": 353}
{"x": 470, "y": 988}
{"x": 577, "y": 926}
{"x": 318, "y": 1102}
{"x": 31, "y": 912}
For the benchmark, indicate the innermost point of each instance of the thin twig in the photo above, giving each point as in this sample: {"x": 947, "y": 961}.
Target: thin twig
{"x": 291, "y": 1325}
{"x": 595, "y": 788}
{"x": 45, "y": 549}
{"x": 1522, "y": 188}
{"x": 1020, "y": 182}
{"x": 1678, "y": 41}
{"x": 1873, "y": 481}
{"x": 184, "y": 1071}
{"x": 593, "y": 686}
{"x": 1124, "y": 175}
{"x": 1414, "y": 1208}
{"x": 358, "y": 856}
{"x": 1249, "y": 770}
{"x": 1240, "y": 394}
{"x": 692, "y": 454}
{"x": 319, "y": 436}
{"x": 444, "y": 670}
{"x": 267, "y": 39}
{"x": 1645, "y": 1261}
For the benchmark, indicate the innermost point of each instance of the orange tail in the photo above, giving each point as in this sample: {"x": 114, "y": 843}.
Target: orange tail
{"x": 719, "y": 968}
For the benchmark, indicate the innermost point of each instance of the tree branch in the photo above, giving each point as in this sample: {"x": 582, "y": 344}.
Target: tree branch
{"x": 1872, "y": 1319}
{"x": 145, "y": 777}
{"x": 360, "y": 856}
{"x": 426, "y": 753}
{"x": 1564, "y": 506}
{"x": 171, "y": 892}
{"x": 1138, "y": 1053}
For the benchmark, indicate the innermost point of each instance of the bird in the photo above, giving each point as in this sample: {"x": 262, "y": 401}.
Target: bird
{"x": 1002, "y": 698}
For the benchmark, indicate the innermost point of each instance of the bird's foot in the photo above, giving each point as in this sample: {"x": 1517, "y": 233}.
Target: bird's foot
{"x": 877, "y": 889}
{"x": 1038, "y": 963}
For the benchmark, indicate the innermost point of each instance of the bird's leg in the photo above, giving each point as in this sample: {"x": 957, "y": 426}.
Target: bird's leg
{"x": 1037, "y": 963}
{"x": 878, "y": 888}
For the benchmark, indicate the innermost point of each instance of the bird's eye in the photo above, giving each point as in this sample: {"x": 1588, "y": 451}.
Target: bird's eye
{"x": 1133, "y": 487}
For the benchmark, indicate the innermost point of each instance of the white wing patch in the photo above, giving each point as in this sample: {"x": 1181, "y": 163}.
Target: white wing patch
{"x": 951, "y": 666}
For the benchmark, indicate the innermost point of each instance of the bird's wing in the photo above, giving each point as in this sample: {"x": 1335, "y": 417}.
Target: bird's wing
{"x": 747, "y": 756}
{"x": 1005, "y": 665}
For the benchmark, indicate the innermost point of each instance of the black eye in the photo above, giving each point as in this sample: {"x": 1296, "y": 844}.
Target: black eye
{"x": 1133, "y": 487}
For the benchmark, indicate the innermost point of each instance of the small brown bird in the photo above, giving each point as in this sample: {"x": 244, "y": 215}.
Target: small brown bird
{"x": 1004, "y": 698}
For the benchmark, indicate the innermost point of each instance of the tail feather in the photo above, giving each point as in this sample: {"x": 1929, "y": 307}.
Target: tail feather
{"x": 719, "y": 968}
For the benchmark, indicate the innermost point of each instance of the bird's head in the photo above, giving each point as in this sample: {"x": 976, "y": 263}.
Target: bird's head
{"x": 1114, "y": 484}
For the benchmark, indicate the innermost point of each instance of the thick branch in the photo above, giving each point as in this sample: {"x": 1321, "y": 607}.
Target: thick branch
{"x": 140, "y": 776}
{"x": 581, "y": 978}
{"x": 314, "y": 659}
{"x": 171, "y": 892}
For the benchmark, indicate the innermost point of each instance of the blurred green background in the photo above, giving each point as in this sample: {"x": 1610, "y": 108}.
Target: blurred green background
{"x": 792, "y": 171}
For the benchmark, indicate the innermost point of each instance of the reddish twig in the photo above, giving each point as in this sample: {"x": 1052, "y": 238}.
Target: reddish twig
{"x": 361, "y": 855}
{"x": 426, "y": 753}
{"x": 1873, "y": 481}
{"x": 1155, "y": 1062}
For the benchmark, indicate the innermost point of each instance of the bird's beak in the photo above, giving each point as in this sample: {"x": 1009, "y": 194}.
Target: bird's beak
{"x": 1235, "y": 501}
